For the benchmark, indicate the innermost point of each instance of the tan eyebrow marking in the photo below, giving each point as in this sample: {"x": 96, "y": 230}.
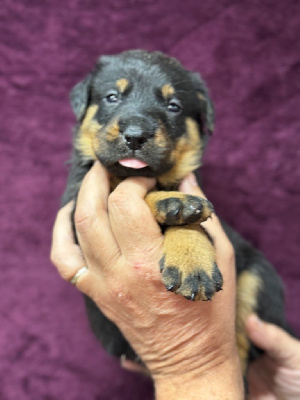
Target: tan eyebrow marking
{"x": 160, "y": 138}
{"x": 186, "y": 155}
{"x": 167, "y": 91}
{"x": 122, "y": 84}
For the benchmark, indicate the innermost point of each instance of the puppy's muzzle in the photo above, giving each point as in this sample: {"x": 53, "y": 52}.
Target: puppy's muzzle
{"x": 135, "y": 137}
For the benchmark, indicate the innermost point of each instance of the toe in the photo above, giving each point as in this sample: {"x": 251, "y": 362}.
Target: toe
{"x": 171, "y": 277}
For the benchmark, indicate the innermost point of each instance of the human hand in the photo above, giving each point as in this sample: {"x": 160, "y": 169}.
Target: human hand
{"x": 276, "y": 375}
{"x": 188, "y": 347}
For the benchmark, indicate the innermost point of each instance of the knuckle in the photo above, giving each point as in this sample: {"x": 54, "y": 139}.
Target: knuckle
{"x": 83, "y": 220}
{"x": 65, "y": 275}
{"x": 59, "y": 263}
{"x": 119, "y": 199}
{"x": 54, "y": 257}
{"x": 121, "y": 294}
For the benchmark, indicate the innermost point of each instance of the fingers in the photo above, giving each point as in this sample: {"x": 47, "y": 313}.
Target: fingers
{"x": 190, "y": 186}
{"x": 278, "y": 344}
{"x": 67, "y": 256}
{"x": 133, "y": 366}
{"x": 65, "y": 253}
{"x": 132, "y": 222}
{"x": 91, "y": 219}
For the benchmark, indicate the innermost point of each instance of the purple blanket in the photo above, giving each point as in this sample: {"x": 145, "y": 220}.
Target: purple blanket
{"x": 247, "y": 51}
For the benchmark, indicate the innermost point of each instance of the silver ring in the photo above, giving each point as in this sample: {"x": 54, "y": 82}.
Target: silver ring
{"x": 80, "y": 272}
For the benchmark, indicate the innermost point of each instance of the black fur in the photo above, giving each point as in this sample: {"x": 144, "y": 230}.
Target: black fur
{"x": 142, "y": 106}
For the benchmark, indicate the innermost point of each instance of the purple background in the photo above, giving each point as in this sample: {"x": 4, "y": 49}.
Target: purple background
{"x": 247, "y": 51}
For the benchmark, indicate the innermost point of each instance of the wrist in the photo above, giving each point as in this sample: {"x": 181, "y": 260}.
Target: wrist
{"x": 218, "y": 382}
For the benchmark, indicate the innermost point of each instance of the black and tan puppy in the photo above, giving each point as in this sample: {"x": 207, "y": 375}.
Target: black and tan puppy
{"x": 143, "y": 114}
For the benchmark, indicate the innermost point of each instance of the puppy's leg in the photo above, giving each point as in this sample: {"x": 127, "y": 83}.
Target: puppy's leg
{"x": 188, "y": 264}
{"x": 175, "y": 208}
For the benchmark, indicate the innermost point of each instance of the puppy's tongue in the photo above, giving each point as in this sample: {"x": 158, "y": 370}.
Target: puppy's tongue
{"x": 133, "y": 163}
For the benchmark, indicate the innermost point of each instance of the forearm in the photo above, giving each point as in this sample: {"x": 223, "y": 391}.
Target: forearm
{"x": 220, "y": 383}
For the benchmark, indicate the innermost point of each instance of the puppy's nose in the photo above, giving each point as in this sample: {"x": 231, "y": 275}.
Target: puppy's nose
{"x": 135, "y": 137}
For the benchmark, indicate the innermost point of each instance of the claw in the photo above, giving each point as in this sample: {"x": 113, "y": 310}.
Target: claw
{"x": 162, "y": 263}
{"x": 191, "y": 297}
{"x": 170, "y": 288}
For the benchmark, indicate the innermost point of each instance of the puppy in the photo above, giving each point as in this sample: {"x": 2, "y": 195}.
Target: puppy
{"x": 143, "y": 114}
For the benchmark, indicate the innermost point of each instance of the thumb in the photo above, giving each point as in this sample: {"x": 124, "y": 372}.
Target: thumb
{"x": 278, "y": 344}
{"x": 190, "y": 186}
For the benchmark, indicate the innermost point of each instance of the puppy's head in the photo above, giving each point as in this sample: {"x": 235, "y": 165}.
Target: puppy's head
{"x": 142, "y": 114}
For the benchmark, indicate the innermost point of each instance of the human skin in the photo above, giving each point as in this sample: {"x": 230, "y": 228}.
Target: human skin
{"x": 276, "y": 375}
{"x": 188, "y": 347}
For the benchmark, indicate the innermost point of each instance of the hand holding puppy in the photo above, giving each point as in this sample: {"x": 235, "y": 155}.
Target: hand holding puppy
{"x": 188, "y": 347}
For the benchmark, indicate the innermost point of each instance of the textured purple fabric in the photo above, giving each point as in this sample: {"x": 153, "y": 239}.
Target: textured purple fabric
{"x": 247, "y": 51}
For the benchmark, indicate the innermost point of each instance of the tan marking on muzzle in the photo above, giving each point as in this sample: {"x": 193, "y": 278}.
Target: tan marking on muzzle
{"x": 85, "y": 143}
{"x": 160, "y": 136}
{"x": 186, "y": 156}
{"x": 113, "y": 131}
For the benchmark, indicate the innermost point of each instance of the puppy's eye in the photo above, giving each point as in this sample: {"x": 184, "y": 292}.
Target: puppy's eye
{"x": 112, "y": 98}
{"x": 174, "y": 106}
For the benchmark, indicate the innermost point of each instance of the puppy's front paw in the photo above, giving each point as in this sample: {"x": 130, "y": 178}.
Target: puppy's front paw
{"x": 184, "y": 210}
{"x": 175, "y": 208}
{"x": 188, "y": 265}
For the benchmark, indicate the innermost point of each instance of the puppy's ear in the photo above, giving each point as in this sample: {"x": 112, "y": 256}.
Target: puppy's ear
{"x": 206, "y": 105}
{"x": 79, "y": 97}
